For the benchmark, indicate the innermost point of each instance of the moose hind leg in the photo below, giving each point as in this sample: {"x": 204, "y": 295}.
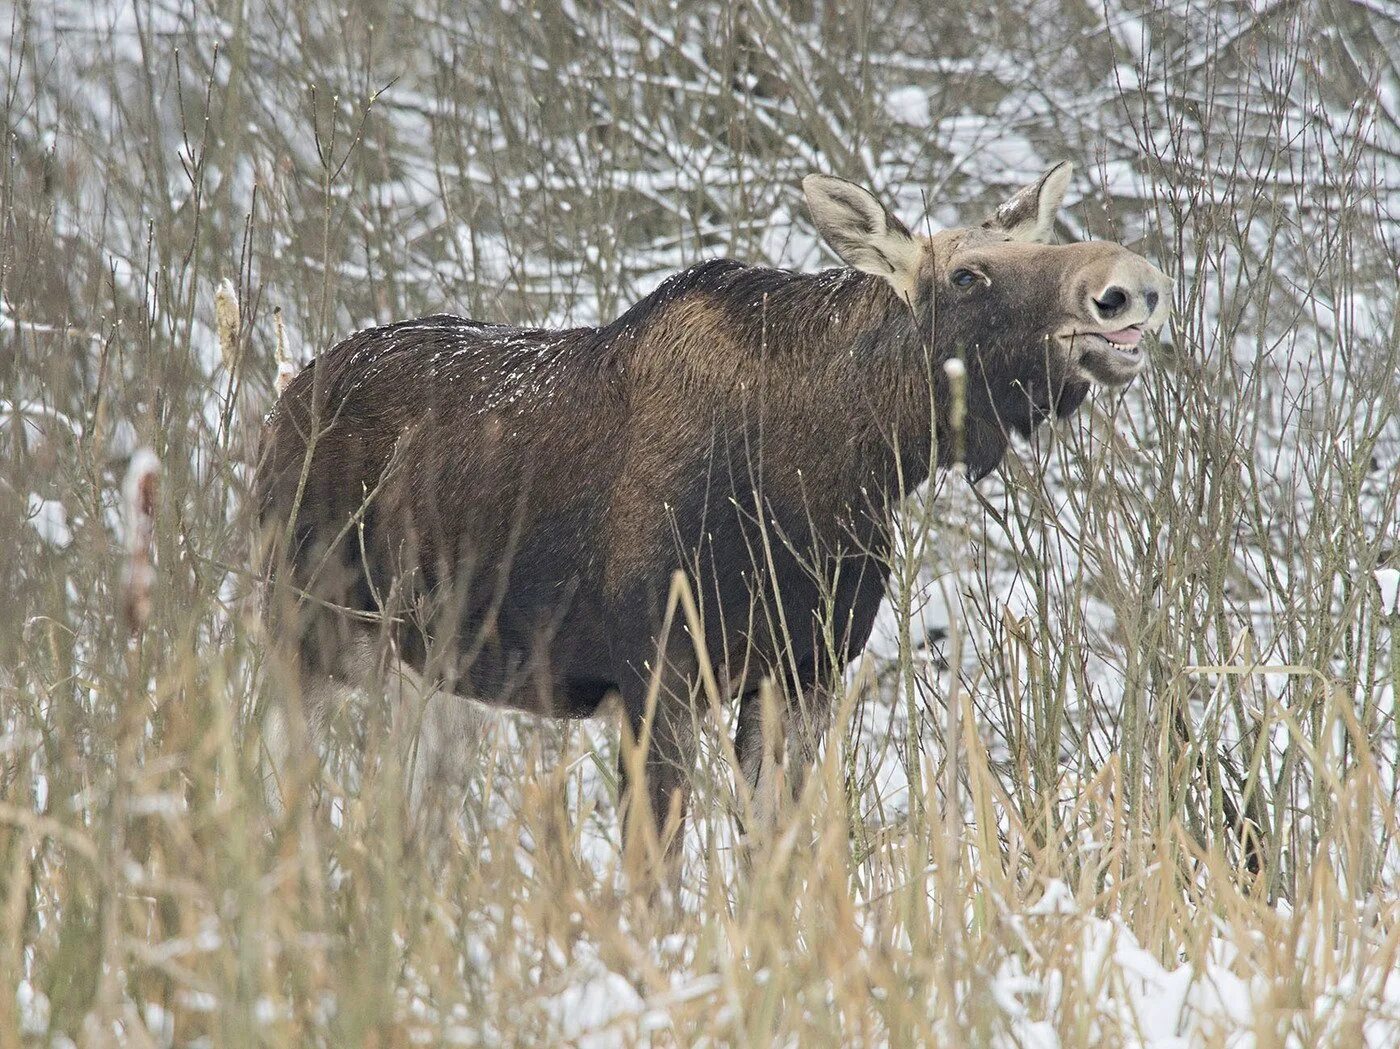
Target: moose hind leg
{"x": 307, "y": 685}
{"x": 435, "y": 732}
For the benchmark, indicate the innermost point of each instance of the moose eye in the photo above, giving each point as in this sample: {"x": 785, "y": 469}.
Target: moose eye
{"x": 963, "y": 278}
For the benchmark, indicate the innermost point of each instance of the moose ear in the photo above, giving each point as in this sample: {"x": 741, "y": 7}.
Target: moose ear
{"x": 863, "y": 232}
{"x": 1030, "y": 214}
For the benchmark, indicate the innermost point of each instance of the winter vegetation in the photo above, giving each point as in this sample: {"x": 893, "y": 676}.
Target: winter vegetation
{"x": 1121, "y": 766}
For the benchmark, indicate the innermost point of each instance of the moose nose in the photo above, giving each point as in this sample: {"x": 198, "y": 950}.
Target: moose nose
{"x": 1114, "y": 301}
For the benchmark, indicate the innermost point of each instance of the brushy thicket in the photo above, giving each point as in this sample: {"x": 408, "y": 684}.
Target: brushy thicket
{"x": 1163, "y": 630}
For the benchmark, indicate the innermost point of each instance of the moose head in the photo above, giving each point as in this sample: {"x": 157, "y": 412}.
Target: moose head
{"x": 1035, "y": 323}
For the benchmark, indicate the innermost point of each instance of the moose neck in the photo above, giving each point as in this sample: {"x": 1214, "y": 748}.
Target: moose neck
{"x": 838, "y": 370}
{"x": 843, "y": 347}
{"x": 897, "y": 401}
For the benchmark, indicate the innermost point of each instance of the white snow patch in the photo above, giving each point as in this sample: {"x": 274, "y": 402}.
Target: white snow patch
{"x": 1056, "y": 900}
{"x": 909, "y": 105}
{"x": 50, "y": 519}
{"x": 1388, "y": 579}
{"x": 588, "y": 1010}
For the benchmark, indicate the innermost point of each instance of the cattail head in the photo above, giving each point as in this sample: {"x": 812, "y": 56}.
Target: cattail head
{"x": 140, "y": 491}
{"x": 286, "y": 368}
{"x": 226, "y": 320}
{"x": 956, "y": 371}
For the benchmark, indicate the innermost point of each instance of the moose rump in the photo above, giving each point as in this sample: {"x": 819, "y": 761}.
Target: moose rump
{"x": 444, "y": 495}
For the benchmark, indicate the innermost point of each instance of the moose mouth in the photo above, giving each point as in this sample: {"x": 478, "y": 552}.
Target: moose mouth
{"x": 1110, "y": 358}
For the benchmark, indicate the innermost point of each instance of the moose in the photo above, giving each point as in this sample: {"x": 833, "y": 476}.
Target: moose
{"x": 500, "y": 514}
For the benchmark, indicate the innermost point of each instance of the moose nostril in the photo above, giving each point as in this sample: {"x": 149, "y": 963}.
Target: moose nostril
{"x": 1114, "y": 301}
{"x": 1150, "y": 297}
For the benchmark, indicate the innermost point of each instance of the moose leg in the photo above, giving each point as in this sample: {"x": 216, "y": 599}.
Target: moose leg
{"x": 776, "y": 753}
{"x": 662, "y": 748}
{"x": 809, "y": 721}
{"x": 760, "y": 744}
{"x": 430, "y": 728}
{"x": 309, "y": 683}
{"x": 434, "y": 730}
{"x": 777, "y": 757}
{"x": 288, "y": 736}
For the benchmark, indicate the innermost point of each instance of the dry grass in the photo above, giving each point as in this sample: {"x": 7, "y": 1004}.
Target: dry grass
{"x": 1160, "y": 615}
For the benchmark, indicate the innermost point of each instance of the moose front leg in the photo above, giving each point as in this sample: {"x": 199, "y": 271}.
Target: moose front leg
{"x": 662, "y": 749}
{"x": 776, "y": 752}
